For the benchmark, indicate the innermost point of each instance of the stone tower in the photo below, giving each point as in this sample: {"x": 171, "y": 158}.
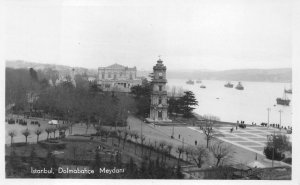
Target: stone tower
{"x": 159, "y": 104}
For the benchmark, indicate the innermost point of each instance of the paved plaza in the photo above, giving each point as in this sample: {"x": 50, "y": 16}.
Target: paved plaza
{"x": 251, "y": 138}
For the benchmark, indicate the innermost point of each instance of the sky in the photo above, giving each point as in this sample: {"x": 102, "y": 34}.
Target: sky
{"x": 187, "y": 34}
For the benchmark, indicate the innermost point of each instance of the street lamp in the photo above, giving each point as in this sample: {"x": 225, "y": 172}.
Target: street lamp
{"x": 268, "y": 109}
{"x": 280, "y": 111}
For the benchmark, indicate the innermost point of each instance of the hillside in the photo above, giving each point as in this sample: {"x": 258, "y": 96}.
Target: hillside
{"x": 261, "y": 75}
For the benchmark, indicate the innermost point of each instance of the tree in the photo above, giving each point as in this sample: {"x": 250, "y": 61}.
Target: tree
{"x": 220, "y": 151}
{"x": 48, "y": 130}
{"x": 142, "y": 95}
{"x": 136, "y": 137}
{"x": 38, "y": 133}
{"x": 162, "y": 145}
{"x": 125, "y": 135}
{"x": 169, "y": 147}
{"x": 188, "y": 103}
{"x": 119, "y": 132}
{"x": 12, "y": 134}
{"x": 33, "y": 74}
{"x": 179, "y": 150}
{"x": 199, "y": 155}
{"x": 26, "y": 133}
{"x": 207, "y": 128}
{"x": 34, "y": 160}
{"x": 54, "y": 129}
{"x": 142, "y": 142}
{"x": 96, "y": 165}
{"x": 276, "y": 146}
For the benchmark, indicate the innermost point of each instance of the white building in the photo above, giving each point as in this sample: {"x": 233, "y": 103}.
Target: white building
{"x": 117, "y": 78}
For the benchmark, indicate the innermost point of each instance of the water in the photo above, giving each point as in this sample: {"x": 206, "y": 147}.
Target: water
{"x": 249, "y": 104}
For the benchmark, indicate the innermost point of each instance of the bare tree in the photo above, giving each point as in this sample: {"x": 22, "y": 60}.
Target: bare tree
{"x": 179, "y": 150}
{"x": 169, "y": 147}
{"x": 207, "y": 128}
{"x": 26, "y": 133}
{"x": 12, "y": 134}
{"x": 119, "y": 132}
{"x": 220, "y": 151}
{"x": 188, "y": 151}
{"x": 125, "y": 135}
{"x": 38, "y": 133}
{"x": 48, "y": 130}
{"x": 161, "y": 145}
{"x": 199, "y": 155}
{"x": 150, "y": 145}
{"x": 142, "y": 142}
{"x": 136, "y": 137}
{"x": 54, "y": 129}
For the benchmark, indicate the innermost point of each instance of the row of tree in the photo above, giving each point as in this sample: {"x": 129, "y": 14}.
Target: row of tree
{"x": 29, "y": 90}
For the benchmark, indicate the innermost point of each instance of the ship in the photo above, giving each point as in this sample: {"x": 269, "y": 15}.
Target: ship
{"x": 284, "y": 100}
{"x": 229, "y": 85}
{"x": 203, "y": 86}
{"x": 198, "y": 81}
{"x": 239, "y": 86}
{"x": 191, "y": 82}
{"x": 289, "y": 91}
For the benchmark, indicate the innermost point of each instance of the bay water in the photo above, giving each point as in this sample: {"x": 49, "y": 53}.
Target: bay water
{"x": 230, "y": 104}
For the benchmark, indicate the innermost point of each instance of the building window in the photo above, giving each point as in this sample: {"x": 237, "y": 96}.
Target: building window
{"x": 109, "y": 75}
{"x": 121, "y": 74}
{"x": 159, "y": 100}
{"x": 115, "y": 76}
{"x": 103, "y": 75}
{"x": 160, "y": 87}
{"x": 130, "y": 76}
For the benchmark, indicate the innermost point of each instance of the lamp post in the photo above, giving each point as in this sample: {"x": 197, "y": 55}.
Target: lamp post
{"x": 268, "y": 109}
{"x": 273, "y": 149}
{"x": 280, "y": 111}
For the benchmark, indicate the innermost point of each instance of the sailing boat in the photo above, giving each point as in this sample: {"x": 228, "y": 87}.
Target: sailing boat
{"x": 284, "y": 100}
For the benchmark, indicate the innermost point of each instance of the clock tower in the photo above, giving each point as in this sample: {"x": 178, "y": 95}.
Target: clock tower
{"x": 159, "y": 104}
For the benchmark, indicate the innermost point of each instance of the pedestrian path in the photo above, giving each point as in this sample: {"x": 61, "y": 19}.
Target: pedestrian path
{"x": 251, "y": 138}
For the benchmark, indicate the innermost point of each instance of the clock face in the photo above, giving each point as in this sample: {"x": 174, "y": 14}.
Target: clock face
{"x": 159, "y": 74}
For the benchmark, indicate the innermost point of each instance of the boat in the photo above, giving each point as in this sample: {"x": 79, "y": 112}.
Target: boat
{"x": 284, "y": 100}
{"x": 198, "y": 81}
{"x": 289, "y": 91}
{"x": 191, "y": 82}
{"x": 203, "y": 86}
{"x": 239, "y": 86}
{"x": 228, "y": 85}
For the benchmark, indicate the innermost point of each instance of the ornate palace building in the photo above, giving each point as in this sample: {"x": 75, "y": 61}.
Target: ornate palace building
{"x": 117, "y": 78}
{"x": 159, "y": 103}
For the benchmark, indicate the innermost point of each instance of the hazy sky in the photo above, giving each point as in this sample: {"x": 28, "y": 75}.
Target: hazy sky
{"x": 189, "y": 34}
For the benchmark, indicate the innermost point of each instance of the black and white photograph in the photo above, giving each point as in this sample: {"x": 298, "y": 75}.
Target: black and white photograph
{"x": 169, "y": 90}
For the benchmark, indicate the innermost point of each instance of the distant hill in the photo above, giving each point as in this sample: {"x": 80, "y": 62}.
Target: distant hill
{"x": 39, "y": 66}
{"x": 259, "y": 75}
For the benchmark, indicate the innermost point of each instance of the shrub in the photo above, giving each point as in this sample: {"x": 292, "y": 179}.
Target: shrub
{"x": 268, "y": 151}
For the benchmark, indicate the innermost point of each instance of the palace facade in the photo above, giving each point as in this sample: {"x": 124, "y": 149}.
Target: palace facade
{"x": 117, "y": 78}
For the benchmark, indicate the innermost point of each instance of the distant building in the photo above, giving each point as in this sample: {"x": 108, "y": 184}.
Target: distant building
{"x": 64, "y": 78}
{"x": 117, "y": 78}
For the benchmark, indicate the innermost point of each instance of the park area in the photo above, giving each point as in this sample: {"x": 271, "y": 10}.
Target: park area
{"x": 159, "y": 143}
